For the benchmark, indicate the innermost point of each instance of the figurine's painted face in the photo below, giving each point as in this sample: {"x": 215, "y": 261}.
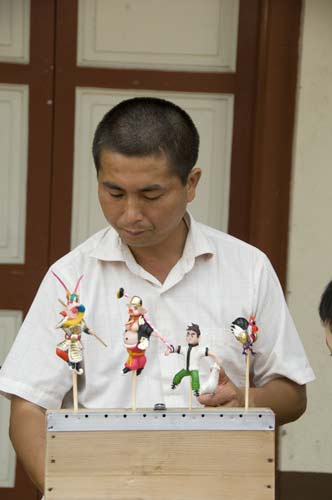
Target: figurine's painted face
{"x": 328, "y": 336}
{"x": 70, "y": 311}
{"x": 143, "y": 199}
{"x": 135, "y": 310}
{"x": 192, "y": 338}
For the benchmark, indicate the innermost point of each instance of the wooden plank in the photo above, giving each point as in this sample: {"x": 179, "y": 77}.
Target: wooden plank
{"x": 147, "y": 465}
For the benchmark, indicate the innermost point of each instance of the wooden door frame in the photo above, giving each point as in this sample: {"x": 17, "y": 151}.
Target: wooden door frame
{"x": 69, "y": 76}
{"x": 264, "y": 86}
{"x": 280, "y": 30}
{"x": 19, "y": 282}
{"x": 23, "y": 279}
{"x": 263, "y": 220}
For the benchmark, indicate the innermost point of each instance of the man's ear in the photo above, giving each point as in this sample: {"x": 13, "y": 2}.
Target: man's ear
{"x": 192, "y": 182}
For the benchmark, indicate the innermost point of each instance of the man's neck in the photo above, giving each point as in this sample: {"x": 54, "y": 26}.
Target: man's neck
{"x": 160, "y": 259}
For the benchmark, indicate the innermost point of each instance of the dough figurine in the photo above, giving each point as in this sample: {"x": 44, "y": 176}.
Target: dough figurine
{"x": 192, "y": 353}
{"x": 136, "y": 336}
{"x": 246, "y": 333}
{"x": 73, "y": 324}
{"x": 138, "y": 331}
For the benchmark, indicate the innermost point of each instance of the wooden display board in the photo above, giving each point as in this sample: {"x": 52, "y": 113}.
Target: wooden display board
{"x": 176, "y": 454}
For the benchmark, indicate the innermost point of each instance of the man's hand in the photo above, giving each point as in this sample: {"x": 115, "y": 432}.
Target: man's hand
{"x": 286, "y": 398}
{"x": 225, "y": 394}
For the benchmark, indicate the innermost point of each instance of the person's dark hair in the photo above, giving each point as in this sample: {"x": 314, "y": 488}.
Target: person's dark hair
{"x": 194, "y": 328}
{"x": 325, "y": 306}
{"x": 147, "y": 126}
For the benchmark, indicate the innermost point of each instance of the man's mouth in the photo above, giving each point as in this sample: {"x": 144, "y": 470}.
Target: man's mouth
{"x": 133, "y": 232}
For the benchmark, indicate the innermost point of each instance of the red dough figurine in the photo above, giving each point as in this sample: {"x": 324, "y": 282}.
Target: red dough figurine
{"x": 138, "y": 331}
{"x": 136, "y": 336}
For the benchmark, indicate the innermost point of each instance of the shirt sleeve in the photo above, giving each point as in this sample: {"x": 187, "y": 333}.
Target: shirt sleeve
{"x": 279, "y": 350}
{"x": 32, "y": 370}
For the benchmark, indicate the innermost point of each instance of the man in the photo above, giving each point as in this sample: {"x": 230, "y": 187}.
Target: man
{"x": 145, "y": 151}
{"x": 325, "y": 313}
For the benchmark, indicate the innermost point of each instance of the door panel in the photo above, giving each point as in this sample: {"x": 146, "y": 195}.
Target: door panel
{"x": 14, "y": 102}
{"x": 14, "y": 31}
{"x": 9, "y": 324}
{"x": 179, "y": 35}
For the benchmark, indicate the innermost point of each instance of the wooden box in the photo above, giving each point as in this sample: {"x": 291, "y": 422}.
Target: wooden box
{"x": 176, "y": 454}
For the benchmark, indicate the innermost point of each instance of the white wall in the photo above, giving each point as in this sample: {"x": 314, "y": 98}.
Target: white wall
{"x": 306, "y": 445}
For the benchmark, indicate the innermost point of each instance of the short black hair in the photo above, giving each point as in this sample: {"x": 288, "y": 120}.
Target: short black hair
{"x": 194, "y": 328}
{"x": 149, "y": 126}
{"x": 325, "y": 306}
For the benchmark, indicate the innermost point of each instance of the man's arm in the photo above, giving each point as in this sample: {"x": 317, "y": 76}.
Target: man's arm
{"x": 28, "y": 434}
{"x": 287, "y": 399}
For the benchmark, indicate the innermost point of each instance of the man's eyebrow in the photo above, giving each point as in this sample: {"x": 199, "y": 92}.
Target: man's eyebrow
{"x": 151, "y": 187}
{"x": 111, "y": 185}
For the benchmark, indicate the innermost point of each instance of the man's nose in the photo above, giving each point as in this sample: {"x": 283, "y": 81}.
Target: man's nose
{"x": 133, "y": 211}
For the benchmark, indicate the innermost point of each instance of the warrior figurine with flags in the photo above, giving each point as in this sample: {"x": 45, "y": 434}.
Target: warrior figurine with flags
{"x": 73, "y": 324}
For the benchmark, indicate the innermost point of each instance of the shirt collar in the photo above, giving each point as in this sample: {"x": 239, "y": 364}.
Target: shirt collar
{"x": 197, "y": 242}
{"x": 111, "y": 248}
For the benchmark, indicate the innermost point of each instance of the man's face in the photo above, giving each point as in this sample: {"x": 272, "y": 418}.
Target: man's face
{"x": 328, "y": 336}
{"x": 192, "y": 337}
{"x": 142, "y": 198}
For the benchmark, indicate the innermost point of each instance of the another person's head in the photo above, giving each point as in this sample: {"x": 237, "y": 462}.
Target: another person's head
{"x": 145, "y": 150}
{"x": 193, "y": 334}
{"x": 325, "y": 313}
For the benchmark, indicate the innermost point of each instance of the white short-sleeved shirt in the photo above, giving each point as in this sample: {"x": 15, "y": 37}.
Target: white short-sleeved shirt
{"x": 217, "y": 279}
